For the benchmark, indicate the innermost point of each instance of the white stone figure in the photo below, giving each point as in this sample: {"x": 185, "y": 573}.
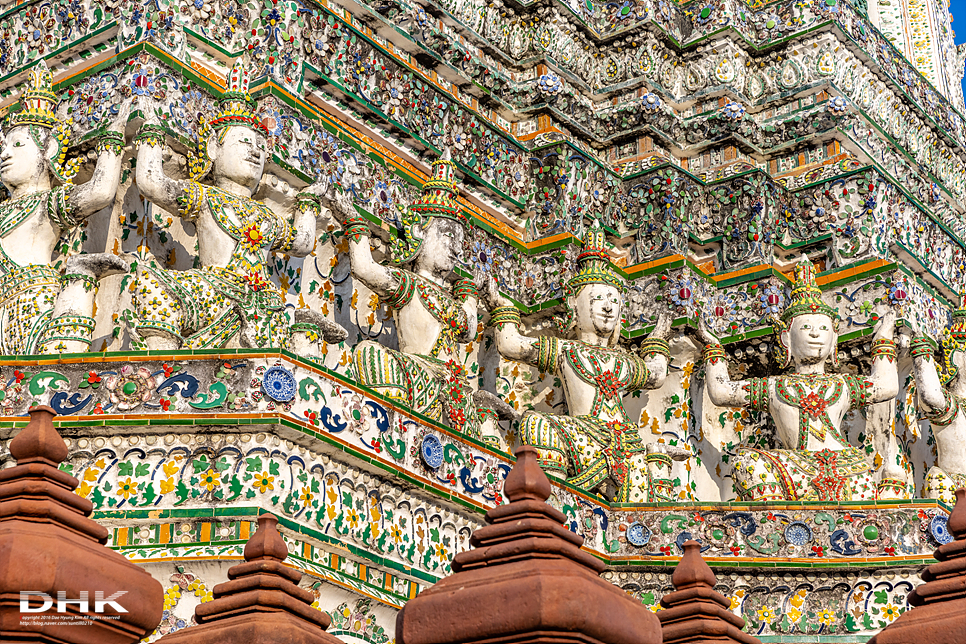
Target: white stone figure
{"x": 942, "y": 401}
{"x": 806, "y": 405}
{"x": 434, "y": 321}
{"x": 43, "y": 203}
{"x": 209, "y": 306}
{"x": 597, "y": 447}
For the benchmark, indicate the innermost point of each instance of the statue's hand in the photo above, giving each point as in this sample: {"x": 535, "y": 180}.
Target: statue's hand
{"x": 663, "y": 327}
{"x": 319, "y": 188}
{"x": 704, "y": 333}
{"x": 149, "y": 107}
{"x": 340, "y": 206}
{"x": 885, "y": 329}
{"x": 493, "y": 296}
{"x": 119, "y": 124}
{"x": 909, "y": 328}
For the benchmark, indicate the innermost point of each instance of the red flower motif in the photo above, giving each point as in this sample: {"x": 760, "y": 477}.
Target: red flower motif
{"x": 165, "y": 404}
{"x": 19, "y": 375}
{"x": 665, "y": 550}
{"x": 93, "y": 378}
{"x": 735, "y": 550}
{"x": 819, "y": 551}
{"x": 890, "y": 550}
{"x": 167, "y": 370}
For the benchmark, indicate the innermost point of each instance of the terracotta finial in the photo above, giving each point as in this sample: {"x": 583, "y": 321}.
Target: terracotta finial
{"x": 526, "y": 480}
{"x": 957, "y": 520}
{"x": 39, "y": 441}
{"x": 693, "y": 570}
{"x": 266, "y": 543}
{"x": 528, "y": 569}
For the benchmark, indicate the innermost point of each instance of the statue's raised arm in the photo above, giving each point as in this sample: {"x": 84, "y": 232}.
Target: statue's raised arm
{"x": 722, "y": 390}
{"x": 378, "y": 278}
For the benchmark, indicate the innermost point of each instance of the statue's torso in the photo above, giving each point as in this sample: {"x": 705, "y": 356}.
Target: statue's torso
{"x": 595, "y": 379}
{"x": 808, "y": 410}
{"x": 235, "y": 232}
{"x": 429, "y": 320}
{"x": 949, "y": 430}
{"x": 30, "y": 227}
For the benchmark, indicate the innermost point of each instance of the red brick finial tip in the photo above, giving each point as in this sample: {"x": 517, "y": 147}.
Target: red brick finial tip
{"x": 266, "y": 543}
{"x": 526, "y": 480}
{"x": 957, "y": 520}
{"x": 39, "y": 441}
{"x": 693, "y": 570}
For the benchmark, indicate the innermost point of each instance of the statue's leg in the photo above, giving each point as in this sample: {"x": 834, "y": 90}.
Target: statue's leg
{"x": 759, "y": 476}
{"x": 399, "y": 377}
{"x": 940, "y": 485}
{"x": 160, "y": 313}
{"x": 537, "y": 431}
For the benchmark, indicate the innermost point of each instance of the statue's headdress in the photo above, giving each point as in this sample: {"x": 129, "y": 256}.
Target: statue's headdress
{"x": 593, "y": 263}
{"x": 38, "y": 105}
{"x": 235, "y": 107}
{"x": 953, "y": 340}
{"x": 806, "y": 299}
{"x": 806, "y": 295}
{"x": 593, "y": 267}
{"x": 439, "y": 200}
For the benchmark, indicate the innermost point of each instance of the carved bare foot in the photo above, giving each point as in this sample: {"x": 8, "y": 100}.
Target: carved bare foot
{"x": 332, "y": 333}
{"x": 490, "y": 400}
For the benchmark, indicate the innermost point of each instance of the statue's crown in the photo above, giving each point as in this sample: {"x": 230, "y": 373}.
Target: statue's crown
{"x": 439, "y": 193}
{"x": 38, "y": 101}
{"x": 806, "y": 295}
{"x": 236, "y": 105}
{"x": 593, "y": 263}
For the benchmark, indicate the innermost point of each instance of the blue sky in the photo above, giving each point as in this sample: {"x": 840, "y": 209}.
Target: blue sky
{"x": 958, "y": 9}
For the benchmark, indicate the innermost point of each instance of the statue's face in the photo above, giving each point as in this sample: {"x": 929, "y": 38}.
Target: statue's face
{"x": 442, "y": 243}
{"x": 240, "y": 156}
{"x": 597, "y": 310}
{"x": 810, "y": 338}
{"x": 21, "y": 159}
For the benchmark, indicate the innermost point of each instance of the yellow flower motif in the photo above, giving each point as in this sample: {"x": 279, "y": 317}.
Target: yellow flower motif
{"x": 264, "y": 482}
{"x": 794, "y": 615}
{"x": 353, "y": 517}
{"x": 127, "y": 488}
{"x": 735, "y": 602}
{"x": 655, "y": 607}
{"x": 210, "y": 480}
{"x": 766, "y": 615}
{"x": 890, "y": 612}
{"x": 440, "y": 552}
{"x": 826, "y": 616}
{"x": 306, "y": 496}
{"x": 396, "y": 534}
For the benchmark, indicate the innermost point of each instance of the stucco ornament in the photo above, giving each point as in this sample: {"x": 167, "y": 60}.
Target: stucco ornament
{"x": 230, "y": 300}
{"x": 434, "y": 320}
{"x": 806, "y": 405}
{"x": 597, "y": 448}
{"x": 941, "y": 400}
{"x": 43, "y": 203}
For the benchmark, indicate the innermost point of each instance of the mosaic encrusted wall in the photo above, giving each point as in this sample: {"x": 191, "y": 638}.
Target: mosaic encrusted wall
{"x": 716, "y": 141}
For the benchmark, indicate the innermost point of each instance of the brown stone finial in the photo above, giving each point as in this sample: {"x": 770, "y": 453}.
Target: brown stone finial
{"x": 939, "y": 613}
{"x": 526, "y": 580}
{"x": 266, "y": 543}
{"x": 696, "y": 613}
{"x": 39, "y": 441}
{"x": 261, "y": 602}
{"x": 957, "y": 520}
{"x": 43, "y": 521}
{"x": 692, "y": 570}
{"x": 526, "y": 480}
